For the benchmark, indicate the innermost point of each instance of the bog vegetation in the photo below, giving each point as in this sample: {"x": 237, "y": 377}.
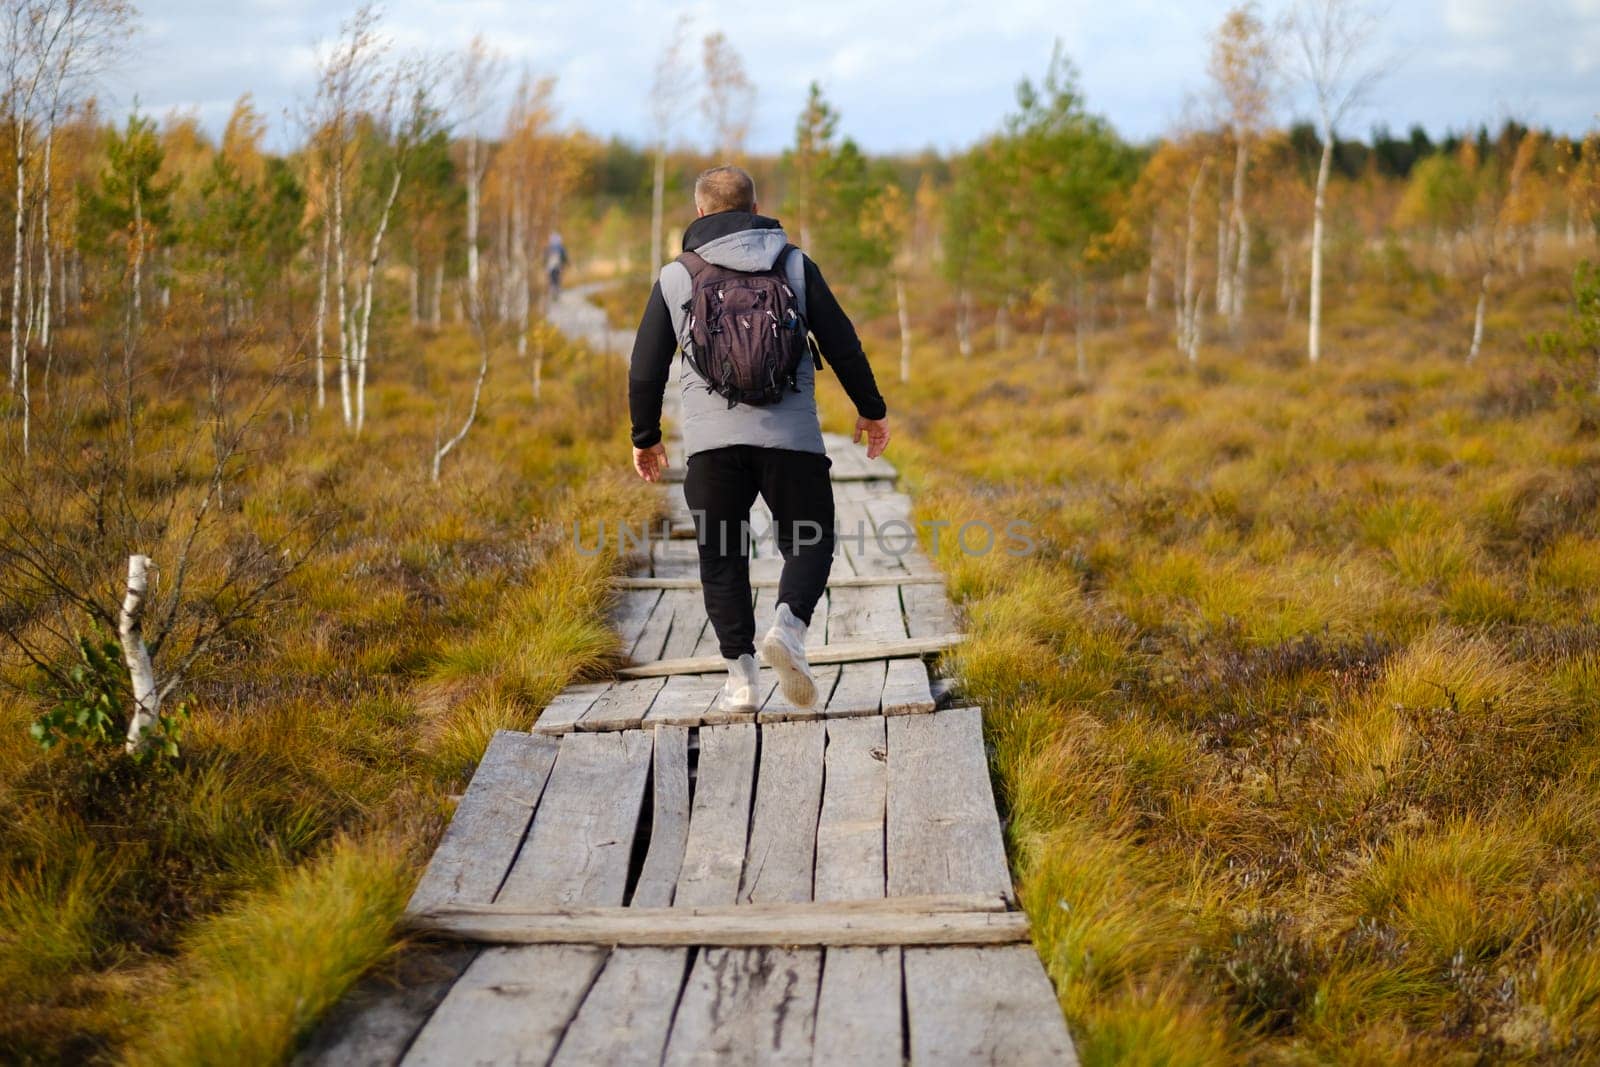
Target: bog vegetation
{"x": 1293, "y": 707}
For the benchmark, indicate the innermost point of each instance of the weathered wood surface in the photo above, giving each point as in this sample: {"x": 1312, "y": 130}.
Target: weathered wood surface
{"x": 969, "y": 920}
{"x": 942, "y": 830}
{"x": 843, "y": 652}
{"x": 482, "y": 839}
{"x": 661, "y": 881}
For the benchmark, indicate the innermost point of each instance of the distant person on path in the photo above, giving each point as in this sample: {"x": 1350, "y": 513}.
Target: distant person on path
{"x": 740, "y": 303}
{"x": 555, "y": 260}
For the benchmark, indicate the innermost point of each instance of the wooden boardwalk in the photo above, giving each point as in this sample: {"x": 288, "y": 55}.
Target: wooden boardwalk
{"x": 644, "y": 879}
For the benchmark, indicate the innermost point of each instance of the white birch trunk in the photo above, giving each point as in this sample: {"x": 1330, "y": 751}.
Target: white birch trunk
{"x": 1240, "y": 251}
{"x": 141, "y": 674}
{"x": 322, "y": 315}
{"x": 369, "y": 283}
{"x": 19, "y": 130}
{"x": 1477, "y": 317}
{"x": 1319, "y": 206}
{"x": 473, "y": 182}
{"x": 45, "y": 308}
{"x": 341, "y": 288}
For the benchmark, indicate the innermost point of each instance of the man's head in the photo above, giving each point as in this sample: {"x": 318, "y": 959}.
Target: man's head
{"x": 725, "y": 188}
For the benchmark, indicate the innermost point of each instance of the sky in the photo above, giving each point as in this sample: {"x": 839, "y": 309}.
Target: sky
{"x": 904, "y": 74}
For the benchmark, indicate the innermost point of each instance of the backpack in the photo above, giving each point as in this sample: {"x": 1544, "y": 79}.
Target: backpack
{"x": 743, "y": 331}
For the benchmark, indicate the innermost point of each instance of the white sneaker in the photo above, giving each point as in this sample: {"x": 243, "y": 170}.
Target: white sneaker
{"x": 784, "y": 650}
{"x": 739, "y": 691}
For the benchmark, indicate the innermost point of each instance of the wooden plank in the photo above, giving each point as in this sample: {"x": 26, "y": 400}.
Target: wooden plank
{"x": 843, "y": 581}
{"x": 511, "y": 1006}
{"x": 669, "y": 559}
{"x": 858, "y": 1009}
{"x": 779, "y": 862}
{"x": 866, "y": 613}
{"x": 746, "y": 1006}
{"x": 631, "y": 613}
{"x": 713, "y": 855}
{"x": 906, "y": 689}
{"x": 778, "y": 709}
{"x": 568, "y": 707}
{"x": 582, "y": 834}
{"x": 983, "y": 1005}
{"x": 927, "y": 610}
{"x": 684, "y": 700}
{"x": 860, "y": 689}
{"x": 893, "y": 921}
{"x": 850, "y": 848}
{"x": 622, "y": 707}
{"x": 656, "y": 629}
{"x": 626, "y": 1016}
{"x": 943, "y": 835}
{"x": 669, "y": 818}
{"x": 688, "y": 620}
{"x": 483, "y": 836}
{"x": 843, "y": 652}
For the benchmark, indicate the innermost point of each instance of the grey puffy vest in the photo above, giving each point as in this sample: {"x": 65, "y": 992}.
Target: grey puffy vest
{"x": 708, "y": 421}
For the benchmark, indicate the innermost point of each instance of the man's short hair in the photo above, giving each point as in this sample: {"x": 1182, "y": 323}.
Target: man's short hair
{"x": 724, "y": 188}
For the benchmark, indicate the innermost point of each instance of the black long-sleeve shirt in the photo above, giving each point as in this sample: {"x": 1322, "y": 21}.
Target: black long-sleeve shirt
{"x": 655, "y": 345}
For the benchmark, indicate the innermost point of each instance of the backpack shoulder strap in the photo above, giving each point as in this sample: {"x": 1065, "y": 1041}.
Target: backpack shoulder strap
{"x": 694, "y": 264}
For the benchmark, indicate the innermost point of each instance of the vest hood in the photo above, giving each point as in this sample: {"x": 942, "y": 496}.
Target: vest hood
{"x": 738, "y": 240}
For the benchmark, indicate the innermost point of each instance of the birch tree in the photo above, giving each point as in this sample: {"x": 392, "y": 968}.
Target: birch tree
{"x": 669, "y": 95}
{"x": 1333, "y": 39}
{"x": 479, "y": 72}
{"x": 1241, "y": 71}
{"x": 728, "y": 97}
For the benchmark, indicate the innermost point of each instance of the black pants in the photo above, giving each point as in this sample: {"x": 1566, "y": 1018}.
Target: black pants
{"x": 720, "y": 486}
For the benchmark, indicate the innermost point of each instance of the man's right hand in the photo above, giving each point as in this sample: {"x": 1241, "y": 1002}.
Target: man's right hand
{"x": 650, "y": 462}
{"x": 877, "y": 431}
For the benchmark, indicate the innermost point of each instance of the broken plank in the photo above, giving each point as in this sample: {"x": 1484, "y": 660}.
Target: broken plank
{"x": 983, "y": 1005}
{"x": 669, "y": 819}
{"x": 720, "y": 819}
{"x": 843, "y": 652}
{"x": 942, "y": 832}
{"x": 906, "y": 689}
{"x": 483, "y": 836}
{"x": 582, "y": 833}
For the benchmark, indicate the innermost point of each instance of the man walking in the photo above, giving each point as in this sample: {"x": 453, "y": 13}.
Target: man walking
{"x": 739, "y": 304}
